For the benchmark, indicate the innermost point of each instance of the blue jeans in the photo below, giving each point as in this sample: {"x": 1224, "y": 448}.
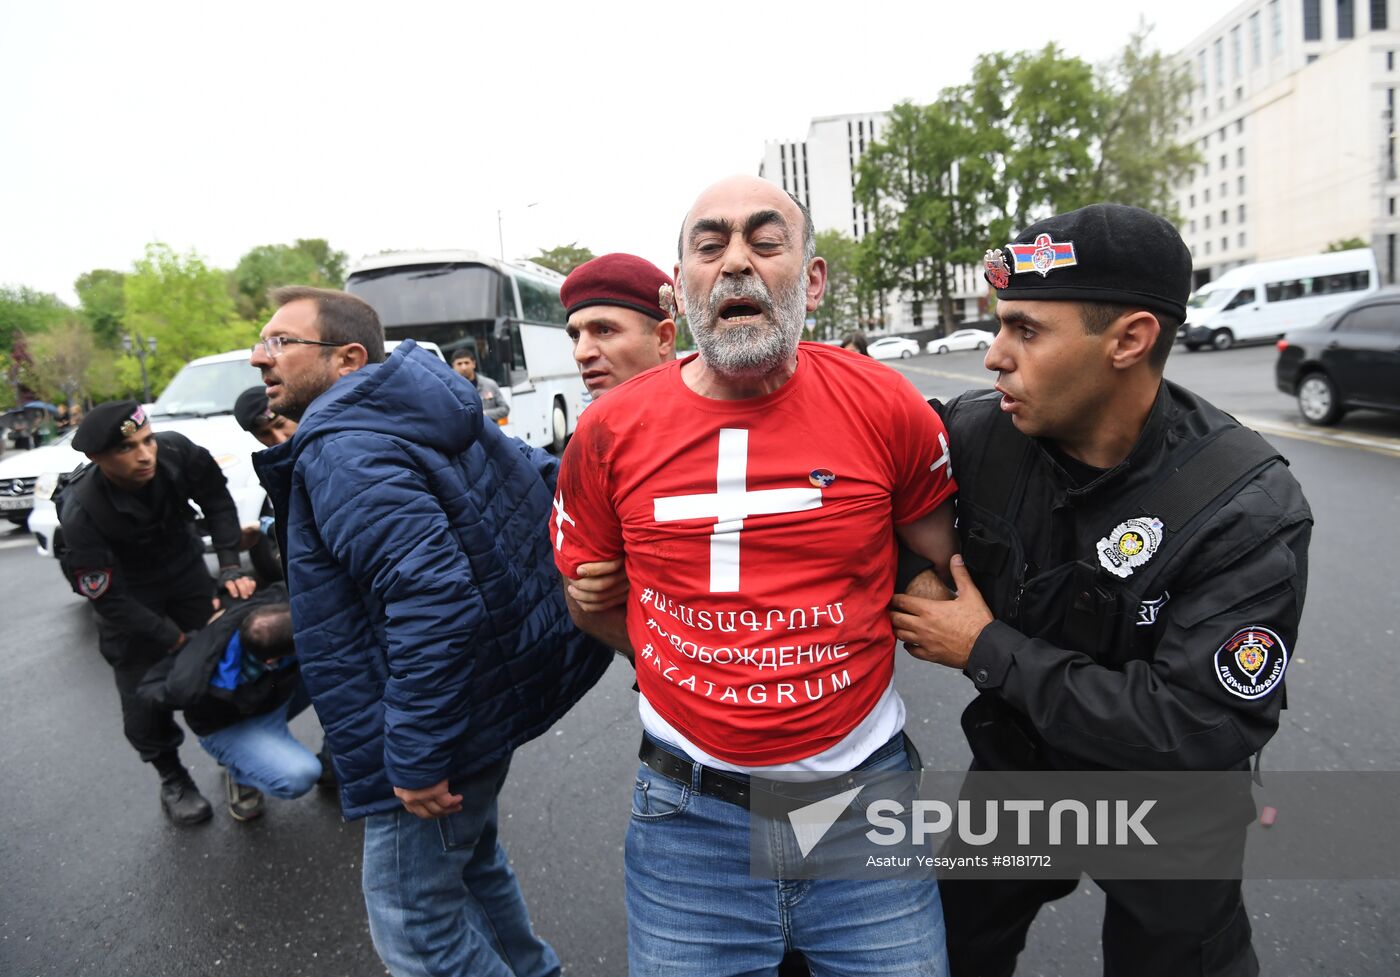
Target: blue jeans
{"x": 261, "y": 752}
{"x": 694, "y": 909}
{"x": 441, "y": 897}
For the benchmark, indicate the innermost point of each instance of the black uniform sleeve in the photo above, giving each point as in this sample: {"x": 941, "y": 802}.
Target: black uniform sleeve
{"x": 1210, "y": 696}
{"x": 209, "y": 489}
{"x": 93, "y": 572}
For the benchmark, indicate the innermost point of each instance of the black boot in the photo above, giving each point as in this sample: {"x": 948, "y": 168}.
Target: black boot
{"x": 181, "y": 799}
{"x": 327, "y": 778}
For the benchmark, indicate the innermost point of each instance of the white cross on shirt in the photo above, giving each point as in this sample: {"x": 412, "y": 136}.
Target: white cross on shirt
{"x": 731, "y": 503}
{"x": 560, "y": 518}
{"x": 945, "y": 459}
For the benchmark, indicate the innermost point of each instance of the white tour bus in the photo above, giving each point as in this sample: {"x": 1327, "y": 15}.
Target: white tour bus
{"x": 506, "y": 312}
{"x": 1263, "y": 301}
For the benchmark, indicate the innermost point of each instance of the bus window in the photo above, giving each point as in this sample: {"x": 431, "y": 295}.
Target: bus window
{"x": 539, "y": 302}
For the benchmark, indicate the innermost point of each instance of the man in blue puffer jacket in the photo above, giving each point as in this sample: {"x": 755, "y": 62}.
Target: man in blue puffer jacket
{"x": 430, "y": 626}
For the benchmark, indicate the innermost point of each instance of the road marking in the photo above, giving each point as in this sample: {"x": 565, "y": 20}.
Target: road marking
{"x": 985, "y": 380}
{"x": 1374, "y": 443}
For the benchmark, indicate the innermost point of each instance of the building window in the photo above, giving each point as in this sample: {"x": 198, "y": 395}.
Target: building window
{"x": 1390, "y": 61}
{"x": 1219, "y": 50}
{"x": 1241, "y": 215}
{"x": 1193, "y": 200}
{"x": 1201, "y": 68}
{"x": 1312, "y": 20}
{"x": 1239, "y": 125}
{"x": 1312, "y": 58}
{"x": 1224, "y": 217}
{"x": 1237, "y": 51}
{"x": 1256, "y": 41}
{"x": 1205, "y": 141}
{"x": 1222, "y": 133}
{"x": 1346, "y": 19}
{"x": 1207, "y": 223}
{"x": 1205, "y": 197}
{"x": 1241, "y": 238}
{"x": 1392, "y": 206}
{"x": 1240, "y": 189}
{"x": 1239, "y": 156}
{"x": 1378, "y": 17}
{"x": 1193, "y": 223}
{"x": 1224, "y": 189}
{"x": 1205, "y": 168}
{"x": 1207, "y": 247}
{"x": 1275, "y": 29}
{"x": 1224, "y": 160}
{"x": 1224, "y": 244}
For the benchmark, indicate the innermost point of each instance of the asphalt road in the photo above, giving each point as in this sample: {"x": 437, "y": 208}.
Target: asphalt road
{"x": 95, "y": 882}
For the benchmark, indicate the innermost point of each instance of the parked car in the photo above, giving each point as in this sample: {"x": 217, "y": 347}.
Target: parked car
{"x": 893, "y": 348}
{"x": 962, "y": 339}
{"x": 19, "y": 471}
{"x": 1351, "y": 360}
{"x": 1264, "y": 300}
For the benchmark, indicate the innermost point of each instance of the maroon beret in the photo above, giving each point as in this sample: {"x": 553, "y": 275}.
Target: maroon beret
{"x": 623, "y": 280}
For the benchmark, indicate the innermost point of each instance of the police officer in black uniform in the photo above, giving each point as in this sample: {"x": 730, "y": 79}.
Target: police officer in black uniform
{"x": 132, "y": 549}
{"x": 1135, "y": 567}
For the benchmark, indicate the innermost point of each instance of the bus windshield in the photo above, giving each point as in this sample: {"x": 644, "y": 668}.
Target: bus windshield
{"x": 418, "y": 295}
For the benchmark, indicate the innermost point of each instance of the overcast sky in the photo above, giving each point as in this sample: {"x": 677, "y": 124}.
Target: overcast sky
{"x": 219, "y": 126}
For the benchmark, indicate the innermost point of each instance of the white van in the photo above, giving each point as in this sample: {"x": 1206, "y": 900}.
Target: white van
{"x": 1262, "y": 301}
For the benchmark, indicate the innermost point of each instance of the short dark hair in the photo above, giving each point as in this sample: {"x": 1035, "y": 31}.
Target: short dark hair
{"x": 464, "y": 353}
{"x": 340, "y": 316}
{"x": 856, "y": 341}
{"x": 266, "y": 633}
{"x": 1098, "y": 316}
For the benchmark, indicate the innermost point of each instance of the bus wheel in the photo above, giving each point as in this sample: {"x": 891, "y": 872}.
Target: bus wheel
{"x": 561, "y": 428}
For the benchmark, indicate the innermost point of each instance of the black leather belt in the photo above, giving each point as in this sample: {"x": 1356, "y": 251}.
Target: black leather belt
{"x": 712, "y": 782}
{"x": 715, "y": 783}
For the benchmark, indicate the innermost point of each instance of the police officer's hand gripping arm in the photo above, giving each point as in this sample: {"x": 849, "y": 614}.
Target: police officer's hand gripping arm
{"x": 209, "y": 489}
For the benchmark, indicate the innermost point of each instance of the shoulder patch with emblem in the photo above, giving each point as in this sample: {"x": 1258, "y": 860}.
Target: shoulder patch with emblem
{"x": 1251, "y": 662}
{"x": 92, "y": 584}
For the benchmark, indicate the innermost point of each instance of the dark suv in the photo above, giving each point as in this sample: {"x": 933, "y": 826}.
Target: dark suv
{"x": 1351, "y": 360}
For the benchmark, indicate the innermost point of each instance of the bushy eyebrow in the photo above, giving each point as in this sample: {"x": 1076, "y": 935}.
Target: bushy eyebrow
{"x": 1019, "y": 318}
{"x": 724, "y": 227}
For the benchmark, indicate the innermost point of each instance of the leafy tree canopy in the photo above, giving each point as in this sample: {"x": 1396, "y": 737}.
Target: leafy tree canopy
{"x": 565, "y": 258}
{"x": 309, "y": 261}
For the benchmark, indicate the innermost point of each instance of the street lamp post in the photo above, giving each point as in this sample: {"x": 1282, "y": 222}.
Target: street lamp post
{"x": 500, "y": 232}
{"x": 141, "y": 349}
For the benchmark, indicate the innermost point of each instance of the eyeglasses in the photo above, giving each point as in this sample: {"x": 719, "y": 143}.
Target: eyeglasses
{"x": 275, "y": 344}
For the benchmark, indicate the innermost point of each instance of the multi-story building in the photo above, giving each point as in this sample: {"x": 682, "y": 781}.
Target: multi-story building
{"x": 1292, "y": 112}
{"x": 821, "y": 172}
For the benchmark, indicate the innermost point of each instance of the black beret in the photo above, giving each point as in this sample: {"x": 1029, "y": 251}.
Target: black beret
{"x": 1101, "y": 253}
{"x": 250, "y": 410}
{"x": 106, "y": 425}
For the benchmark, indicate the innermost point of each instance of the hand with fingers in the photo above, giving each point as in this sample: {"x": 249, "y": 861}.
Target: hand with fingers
{"x": 942, "y": 631}
{"x": 599, "y": 586}
{"x": 430, "y": 802}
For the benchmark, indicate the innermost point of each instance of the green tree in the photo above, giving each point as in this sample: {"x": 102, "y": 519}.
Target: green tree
{"x": 102, "y": 303}
{"x": 1040, "y": 115}
{"x": 66, "y": 361}
{"x": 565, "y": 258}
{"x": 926, "y": 182}
{"x": 846, "y": 305}
{"x": 1140, "y": 159}
{"x": 1347, "y": 244}
{"x": 185, "y": 306}
{"x": 28, "y": 311}
{"x": 310, "y": 261}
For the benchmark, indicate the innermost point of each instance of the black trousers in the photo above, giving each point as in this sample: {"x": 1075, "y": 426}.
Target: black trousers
{"x": 150, "y": 729}
{"x": 1155, "y": 928}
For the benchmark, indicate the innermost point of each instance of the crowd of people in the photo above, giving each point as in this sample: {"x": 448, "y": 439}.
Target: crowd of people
{"x": 1116, "y": 566}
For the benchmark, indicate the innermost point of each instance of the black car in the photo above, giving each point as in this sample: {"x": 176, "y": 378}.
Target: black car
{"x": 1351, "y": 360}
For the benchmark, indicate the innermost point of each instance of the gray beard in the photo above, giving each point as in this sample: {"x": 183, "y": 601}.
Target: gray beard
{"x": 753, "y": 349}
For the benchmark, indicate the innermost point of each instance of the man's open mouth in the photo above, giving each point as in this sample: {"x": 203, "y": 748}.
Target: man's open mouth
{"x": 737, "y": 310}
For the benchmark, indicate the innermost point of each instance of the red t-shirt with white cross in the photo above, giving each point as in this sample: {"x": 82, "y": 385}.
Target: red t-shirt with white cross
{"x": 759, "y": 540}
